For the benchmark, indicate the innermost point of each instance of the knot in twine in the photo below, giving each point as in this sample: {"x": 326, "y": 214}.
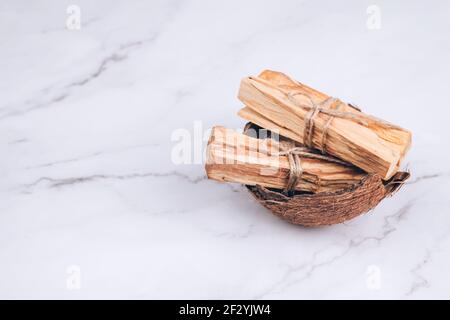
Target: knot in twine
{"x": 295, "y": 167}
{"x": 324, "y": 107}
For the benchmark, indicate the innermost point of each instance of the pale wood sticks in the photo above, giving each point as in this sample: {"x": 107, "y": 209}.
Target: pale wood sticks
{"x": 277, "y": 102}
{"x": 234, "y": 157}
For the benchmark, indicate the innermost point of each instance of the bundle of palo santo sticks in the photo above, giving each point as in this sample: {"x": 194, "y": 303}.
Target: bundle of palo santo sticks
{"x": 315, "y": 143}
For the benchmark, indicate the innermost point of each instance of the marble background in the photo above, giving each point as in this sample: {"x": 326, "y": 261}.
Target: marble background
{"x": 92, "y": 206}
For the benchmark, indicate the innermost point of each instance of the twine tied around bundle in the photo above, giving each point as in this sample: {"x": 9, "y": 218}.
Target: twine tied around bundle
{"x": 324, "y": 107}
{"x": 295, "y": 167}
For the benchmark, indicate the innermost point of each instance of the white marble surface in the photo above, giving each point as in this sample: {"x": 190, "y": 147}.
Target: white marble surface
{"x": 87, "y": 180}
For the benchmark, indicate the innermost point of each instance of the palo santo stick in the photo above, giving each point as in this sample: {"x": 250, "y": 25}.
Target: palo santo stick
{"x": 395, "y": 135}
{"x": 285, "y": 104}
{"x": 235, "y": 157}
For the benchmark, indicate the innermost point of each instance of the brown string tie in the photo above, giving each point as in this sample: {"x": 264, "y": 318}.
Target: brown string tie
{"x": 309, "y": 122}
{"x": 295, "y": 168}
{"x": 326, "y": 107}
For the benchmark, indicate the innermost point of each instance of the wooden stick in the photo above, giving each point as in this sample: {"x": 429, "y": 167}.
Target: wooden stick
{"x": 235, "y": 157}
{"x": 278, "y": 102}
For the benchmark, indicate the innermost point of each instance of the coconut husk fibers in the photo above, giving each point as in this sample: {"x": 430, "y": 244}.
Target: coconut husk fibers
{"x": 328, "y": 208}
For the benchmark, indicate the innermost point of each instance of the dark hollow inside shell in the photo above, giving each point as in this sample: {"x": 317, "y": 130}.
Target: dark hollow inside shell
{"x": 327, "y": 208}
